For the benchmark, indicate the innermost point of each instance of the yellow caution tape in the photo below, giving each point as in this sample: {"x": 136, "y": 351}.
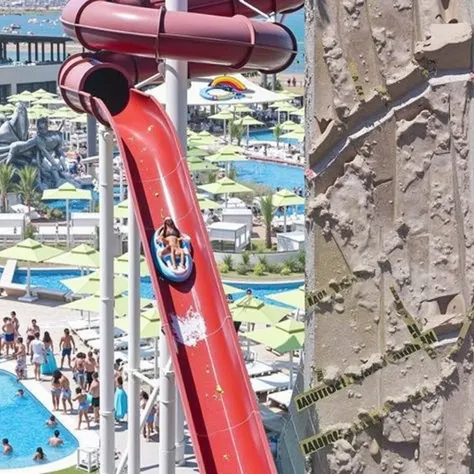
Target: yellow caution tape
{"x": 314, "y": 297}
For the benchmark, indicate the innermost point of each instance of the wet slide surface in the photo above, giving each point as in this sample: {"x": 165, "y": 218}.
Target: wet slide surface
{"x": 221, "y": 407}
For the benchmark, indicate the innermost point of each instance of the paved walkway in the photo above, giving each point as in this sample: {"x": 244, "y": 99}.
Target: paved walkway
{"x": 51, "y": 317}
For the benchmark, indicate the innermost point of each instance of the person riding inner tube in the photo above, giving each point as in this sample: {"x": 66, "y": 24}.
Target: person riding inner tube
{"x": 171, "y": 238}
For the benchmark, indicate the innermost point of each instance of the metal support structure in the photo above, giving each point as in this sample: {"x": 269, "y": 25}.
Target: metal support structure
{"x": 274, "y": 76}
{"x": 106, "y": 375}
{"x": 179, "y": 426}
{"x": 134, "y": 341}
{"x": 91, "y": 136}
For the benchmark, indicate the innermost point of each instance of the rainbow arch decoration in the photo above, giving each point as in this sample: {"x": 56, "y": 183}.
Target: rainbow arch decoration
{"x": 223, "y": 88}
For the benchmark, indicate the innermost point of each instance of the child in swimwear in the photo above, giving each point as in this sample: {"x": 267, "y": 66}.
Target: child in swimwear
{"x": 81, "y": 398}
{"x": 52, "y": 422}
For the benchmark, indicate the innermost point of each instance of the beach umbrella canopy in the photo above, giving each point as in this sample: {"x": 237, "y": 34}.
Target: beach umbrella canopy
{"x": 248, "y": 120}
{"x": 195, "y": 164}
{"x": 222, "y": 115}
{"x": 294, "y": 135}
{"x": 289, "y": 125}
{"x": 90, "y": 284}
{"x": 223, "y": 156}
{"x": 295, "y": 298}
{"x": 253, "y": 310}
{"x": 279, "y": 103}
{"x": 43, "y": 93}
{"x": 290, "y": 95}
{"x": 225, "y": 186}
{"x": 25, "y": 96}
{"x": 121, "y": 265}
{"x": 93, "y": 304}
{"x": 30, "y": 251}
{"x": 199, "y": 140}
{"x": 298, "y": 112}
{"x": 286, "y": 108}
{"x": 150, "y": 324}
{"x": 48, "y": 101}
{"x": 284, "y": 198}
{"x": 231, "y": 290}
{"x": 196, "y": 152}
{"x": 205, "y": 204}
{"x": 7, "y": 108}
{"x": 67, "y": 192}
{"x": 83, "y": 256}
{"x": 121, "y": 210}
{"x": 242, "y": 109}
{"x": 205, "y": 133}
{"x": 231, "y": 149}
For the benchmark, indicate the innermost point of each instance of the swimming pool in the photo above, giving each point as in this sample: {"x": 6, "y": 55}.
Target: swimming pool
{"x": 22, "y": 421}
{"x": 268, "y": 136}
{"x": 270, "y": 174}
{"x": 51, "y": 279}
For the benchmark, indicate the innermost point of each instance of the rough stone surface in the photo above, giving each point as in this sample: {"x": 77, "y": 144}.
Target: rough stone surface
{"x": 392, "y": 202}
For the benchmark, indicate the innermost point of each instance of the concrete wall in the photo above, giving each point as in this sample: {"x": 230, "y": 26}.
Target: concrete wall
{"x": 25, "y": 74}
{"x": 389, "y": 139}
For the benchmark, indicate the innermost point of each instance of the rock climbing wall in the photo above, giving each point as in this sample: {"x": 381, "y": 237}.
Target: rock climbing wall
{"x": 390, "y": 254}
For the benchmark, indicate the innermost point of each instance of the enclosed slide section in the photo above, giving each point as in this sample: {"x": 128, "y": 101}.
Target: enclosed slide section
{"x": 221, "y": 408}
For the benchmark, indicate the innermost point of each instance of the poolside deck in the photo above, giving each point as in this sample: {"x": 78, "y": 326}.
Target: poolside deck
{"x": 51, "y": 317}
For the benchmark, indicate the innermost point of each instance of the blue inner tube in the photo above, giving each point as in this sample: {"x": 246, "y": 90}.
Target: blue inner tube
{"x": 164, "y": 262}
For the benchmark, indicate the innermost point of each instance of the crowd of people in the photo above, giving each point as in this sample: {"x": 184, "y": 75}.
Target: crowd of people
{"x": 28, "y": 348}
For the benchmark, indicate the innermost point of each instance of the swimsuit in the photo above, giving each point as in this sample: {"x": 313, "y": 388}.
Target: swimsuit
{"x": 56, "y": 390}
{"x": 80, "y": 376}
{"x": 21, "y": 364}
{"x": 66, "y": 351}
{"x": 83, "y": 406}
{"x": 9, "y": 337}
{"x": 89, "y": 377}
{"x": 95, "y": 402}
{"x": 66, "y": 393}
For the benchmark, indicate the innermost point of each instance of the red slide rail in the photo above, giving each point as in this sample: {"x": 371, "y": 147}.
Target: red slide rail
{"x": 221, "y": 408}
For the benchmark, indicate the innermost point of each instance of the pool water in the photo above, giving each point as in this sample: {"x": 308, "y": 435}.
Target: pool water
{"x": 23, "y": 422}
{"x": 268, "y": 136}
{"x": 51, "y": 279}
{"x": 270, "y": 174}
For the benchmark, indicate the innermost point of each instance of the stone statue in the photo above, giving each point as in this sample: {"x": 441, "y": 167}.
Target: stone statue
{"x": 44, "y": 150}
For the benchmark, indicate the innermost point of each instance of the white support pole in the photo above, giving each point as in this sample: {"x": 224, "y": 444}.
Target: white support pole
{"x": 121, "y": 184}
{"x": 68, "y": 230}
{"x": 134, "y": 341}
{"x": 106, "y": 376}
{"x": 171, "y": 428}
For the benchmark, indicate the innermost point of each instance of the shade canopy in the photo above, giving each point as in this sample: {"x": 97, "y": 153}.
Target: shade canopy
{"x": 289, "y": 125}
{"x": 195, "y": 164}
{"x": 225, "y": 156}
{"x": 93, "y": 304}
{"x": 253, "y": 310}
{"x": 121, "y": 265}
{"x": 242, "y": 109}
{"x": 206, "y": 204}
{"x": 49, "y": 101}
{"x": 286, "y": 108}
{"x": 199, "y": 140}
{"x": 83, "y": 256}
{"x": 284, "y": 198}
{"x": 222, "y": 115}
{"x": 195, "y": 152}
{"x": 248, "y": 121}
{"x": 121, "y": 210}
{"x": 294, "y": 298}
{"x": 90, "y": 284}
{"x": 225, "y": 186}
{"x": 150, "y": 327}
{"x": 286, "y": 336}
{"x": 30, "y": 250}
{"x": 231, "y": 290}
{"x": 43, "y": 93}
{"x": 294, "y": 135}
{"x": 252, "y": 93}
{"x": 67, "y": 191}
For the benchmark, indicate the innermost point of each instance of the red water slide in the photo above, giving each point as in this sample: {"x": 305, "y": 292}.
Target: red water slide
{"x": 221, "y": 408}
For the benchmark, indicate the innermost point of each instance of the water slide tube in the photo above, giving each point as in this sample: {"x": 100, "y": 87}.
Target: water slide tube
{"x": 220, "y": 406}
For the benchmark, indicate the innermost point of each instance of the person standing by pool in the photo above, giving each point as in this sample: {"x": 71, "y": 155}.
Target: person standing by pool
{"x": 7, "y": 448}
{"x": 49, "y": 365}
{"x": 56, "y": 389}
{"x": 20, "y": 354}
{"x": 66, "y": 393}
{"x": 38, "y": 352}
{"x": 81, "y": 398}
{"x": 94, "y": 391}
{"x": 67, "y": 346}
{"x": 31, "y": 330}
{"x": 39, "y": 455}
{"x": 55, "y": 440}
{"x": 16, "y": 324}
{"x": 79, "y": 369}
{"x": 121, "y": 400}
{"x": 90, "y": 365}
{"x": 9, "y": 333}
{"x": 148, "y": 427}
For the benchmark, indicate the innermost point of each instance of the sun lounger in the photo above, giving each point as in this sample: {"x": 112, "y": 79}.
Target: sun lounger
{"x": 256, "y": 368}
{"x": 270, "y": 383}
{"x": 146, "y": 352}
{"x": 282, "y": 399}
{"x": 84, "y": 324}
{"x": 120, "y": 343}
{"x": 88, "y": 335}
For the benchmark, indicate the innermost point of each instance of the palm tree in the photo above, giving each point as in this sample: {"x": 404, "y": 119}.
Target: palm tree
{"x": 277, "y": 131}
{"x": 7, "y": 172}
{"x": 266, "y": 205}
{"x": 27, "y": 185}
{"x": 237, "y": 131}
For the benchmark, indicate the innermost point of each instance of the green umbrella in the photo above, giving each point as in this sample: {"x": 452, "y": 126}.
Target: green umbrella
{"x": 287, "y": 336}
{"x": 253, "y": 310}
{"x": 225, "y": 186}
{"x": 48, "y": 101}
{"x": 223, "y": 156}
{"x": 121, "y": 265}
{"x": 83, "y": 256}
{"x": 289, "y": 125}
{"x": 294, "y": 135}
{"x": 93, "y": 304}
{"x": 121, "y": 210}
{"x": 242, "y": 109}
{"x": 43, "y": 93}
{"x": 280, "y": 103}
{"x": 199, "y": 140}
{"x": 90, "y": 284}
{"x": 298, "y": 113}
{"x": 194, "y": 152}
{"x": 30, "y": 250}
{"x": 25, "y": 96}
{"x": 195, "y": 164}
{"x": 205, "y": 203}
{"x": 231, "y": 290}
{"x": 67, "y": 192}
{"x": 290, "y": 95}
{"x": 285, "y": 198}
{"x": 295, "y": 298}
{"x": 205, "y": 133}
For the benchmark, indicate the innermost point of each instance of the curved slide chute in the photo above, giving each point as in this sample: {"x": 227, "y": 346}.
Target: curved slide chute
{"x": 221, "y": 408}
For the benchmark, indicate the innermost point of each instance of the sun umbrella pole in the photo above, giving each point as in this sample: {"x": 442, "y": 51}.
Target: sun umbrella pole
{"x": 68, "y": 231}
{"x": 248, "y": 134}
{"x": 106, "y": 313}
{"x": 134, "y": 341}
{"x": 291, "y": 369}
{"x": 284, "y": 218}
{"x": 225, "y": 130}
{"x": 28, "y": 281}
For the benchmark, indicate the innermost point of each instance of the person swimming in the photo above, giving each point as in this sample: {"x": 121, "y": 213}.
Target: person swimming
{"x": 171, "y": 237}
{"x": 51, "y": 421}
{"x": 7, "y": 447}
{"x": 39, "y": 455}
{"x": 55, "y": 440}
